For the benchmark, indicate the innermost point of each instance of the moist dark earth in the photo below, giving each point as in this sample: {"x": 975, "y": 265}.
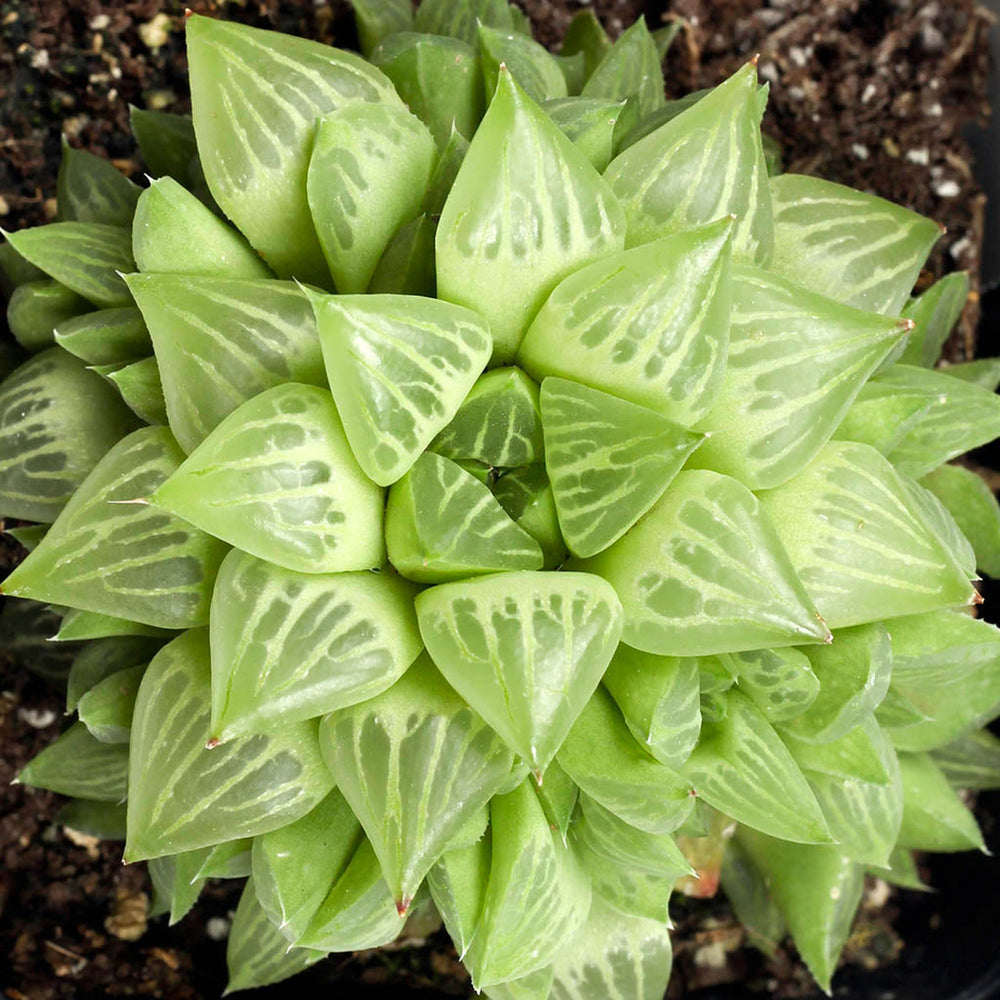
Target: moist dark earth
{"x": 871, "y": 93}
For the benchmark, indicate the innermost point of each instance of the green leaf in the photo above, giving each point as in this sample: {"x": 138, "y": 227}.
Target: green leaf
{"x": 28, "y": 536}
{"x": 650, "y": 325}
{"x": 378, "y": 19}
{"x": 166, "y": 142}
{"x": 105, "y": 337}
{"x": 116, "y": 557}
{"x": 449, "y": 162}
{"x": 526, "y": 495}
{"x": 219, "y": 343}
{"x": 92, "y": 189}
{"x": 458, "y": 887}
{"x": 183, "y": 795}
{"x": 973, "y": 505}
{"x": 26, "y": 628}
{"x": 442, "y": 524}
{"x": 659, "y": 697}
{"x": 77, "y": 764}
{"x": 741, "y": 767}
{"x": 605, "y": 760}
{"x": 526, "y": 209}
{"x": 608, "y": 461}
{"x": 97, "y": 660}
{"x": 56, "y": 422}
{"x": 77, "y": 624}
{"x": 984, "y": 372}
{"x": 358, "y": 911}
{"x": 574, "y": 71}
{"x": 934, "y": 816}
{"x": 257, "y": 96}
{"x": 558, "y": 795}
{"x": 652, "y": 121}
{"x": 856, "y": 541}
{"x": 407, "y": 266}
{"x": 935, "y": 313}
{"x": 817, "y": 890}
{"x": 590, "y": 123}
{"x": 174, "y": 232}
{"x": 228, "y": 860}
{"x": 901, "y": 871}
{"x": 630, "y": 890}
{"x": 141, "y": 389}
{"x": 414, "y": 763}
{"x": 586, "y": 35}
{"x": 971, "y": 761}
{"x": 106, "y": 709}
{"x": 460, "y": 18}
{"x": 526, "y": 650}
{"x": 277, "y": 479}
{"x": 15, "y": 270}
{"x": 858, "y": 756}
{"x": 940, "y": 648}
{"x": 257, "y": 953}
{"x": 796, "y": 362}
{"x": 704, "y": 572}
{"x": 399, "y": 368}
{"x": 175, "y": 888}
{"x": 705, "y": 163}
{"x": 294, "y": 866}
{"x": 537, "y": 897}
{"x": 87, "y": 257}
{"x": 368, "y": 172}
{"x": 531, "y": 65}
{"x": 897, "y": 711}
{"x": 664, "y": 37}
{"x": 535, "y": 986}
{"x": 104, "y": 820}
{"x": 852, "y": 246}
{"x": 499, "y": 423}
{"x": 751, "y": 900}
{"x": 780, "y": 682}
{"x": 288, "y": 646}
{"x": 36, "y": 308}
{"x": 630, "y": 68}
{"x": 939, "y": 521}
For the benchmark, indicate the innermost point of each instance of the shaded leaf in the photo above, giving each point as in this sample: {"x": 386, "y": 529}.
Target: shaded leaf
{"x": 104, "y": 820}
{"x": 106, "y": 709}
{"x": 858, "y": 756}
{"x": 460, "y": 18}
{"x": 526, "y": 495}
{"x": 77, "y": 764}
{"x": 457, "y": 883}
{"x": 92, "y": 189}
{"x": 407, "y": 266}
{"x": 36, "y": 308}
{"x": 175, "y": 889}
{"x": 934, "y": 816}
{"x": 751, "y": 900}
{"x": 449, "y": 162}
{"x": 378, "y": 19}
{"x": 630, "y": 68}
{"x": 935, "y": 313}
{"x": 780, "y": 682}
{"x": 98, "y": 660}
{"x": 971, "y": 761}
{"x": 530, "y": 64}
{"x": 973, "y": 505}
{"x": 105, "y": 337}
{"x": 586, "y": 35}
{"x": 141, "y": 389}
{"x": 227, "y": 860}
{"x": 166, "y": 142}
{"x": 590, "y": 122}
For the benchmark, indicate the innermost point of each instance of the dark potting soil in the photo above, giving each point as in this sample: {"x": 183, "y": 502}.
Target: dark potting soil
{"x": 873, "y": 93}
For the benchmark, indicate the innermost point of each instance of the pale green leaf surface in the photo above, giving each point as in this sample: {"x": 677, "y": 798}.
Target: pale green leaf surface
{"x": 106, "y": 336}
{"x": 142, "y": 390}
{"x": 934, "y": 816}
{"x": 100, "y": 659}
{"x": 526, "y": 495}
{"x": 460, "y": 18}
{"x": 92, "y": 189}
{"x": 973, "y": 505}
{"x": 106, "y": 709}
{"x": 230, "y": 859}
{"x": 897, "y": 711}
{"x": 630, "y": 890}
{"x": 36, "y": 308}
{"x": 630, "y": 68}
{"x": 28, "y": 536}
{"x": 984, "y": 372}
{"x": 859, "y": 755}
{"x": 535, "y": 986}
{"x": 78, "y": 764}
{"x": 458, "y": 887}
{"x": 166, "y": 142}
{"x": 934, "y": 313}
{"x": 590, "y": 122}
{"x": 902, "y": 871}
{"x": 378, "y": 19}
{"x": 940, "y": 648}
{"x": 940, "y": 522}
{"x": 780, "y": 682}
{"x": 530, "y": 64}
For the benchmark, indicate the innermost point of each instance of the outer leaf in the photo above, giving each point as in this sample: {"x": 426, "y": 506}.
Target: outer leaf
{"x": 984, "y": 372}
{"x": 748, "y": 893}
{"x": 77, "y": 764}
{"x": 630, "y": 890}
{"x": 166, "y": 142}
{"x": 369, "y": 169}
{"x": 96, "y": 661}
{"x": 288, "y": 646}
{"x": 500, "y": 422}
{"x": 56, "y": 421}
{"x": 15, "y": 270}
{"x": 141, "y": 389}
{"x": 87, "y": 257}
{"x": 182, "y": 795}
{"x": 174, "y": 232}
{"x": 704, "y": 572}
{"x": 28, "y": 536}
{"x": 858, "y": 756}
{"x": 780, "y": 682}
{"x": 861, "y": 250}
{"x": 608, "y": 461}
{"x": 705, "y": 163}
{"x": 585, "y": 34}
{"x": 659, "y": 697}
{"x": 536, "y": 986}
{"x": 971, "y": 761}
{"x": 526, "y": 209}
{"x": 25, "y": 630}
{"x": 973, "y": 505}
{"x": 219, "y": 343}
{"x": 414, "y": 763}
{"x": 377, "y": 19}
{"x": 442, "y": 524}
{"x": 257, "y": 96}
{"x": 742, "y": 768}
{"x": 174, "y": 890}
{"x": 526, "y": 495}
{"x": 257, "y": 953}
{"x": 399, "y": 367}
{"x": 590, "y": 122}
{"x": 529, "y": 64}
{"x": 902, "y": 871}
{"x": 650, "y": 325}
{"x": 227, "y": 860}
{"x": 934, "y": 816}
{"x": 124, "y": 558}
{"x": 940, "y": 648}
{"x": 537, "y": 897}
{"x": 460, "y": 18}
{"x": 458, "y": 887}
{"x": 630, "y": 68}
{"x": 796, "y": 362}
{"x": 935, "y": 313}
{"x": 91, "y": 189}
{"x": 36, "y": 308}
{"x": 898, "y": 712}
{"x": 106, "y": 709}
{"x": 938, "y": 519}
{"x": 856, "y": 542}
{"x": 277, "y": 479}
{"x": 526, "y": 650}
{"x": 78, "y": 624}
{"x": 104, "y": 337}
{"x": 104, "y": 820}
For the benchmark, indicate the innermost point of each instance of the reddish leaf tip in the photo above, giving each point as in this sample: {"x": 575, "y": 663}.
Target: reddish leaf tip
{"x": 213, "y": 742}
{"x": 403, "y": 905}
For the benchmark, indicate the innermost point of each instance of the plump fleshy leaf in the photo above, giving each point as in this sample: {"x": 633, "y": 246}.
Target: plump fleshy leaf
{"x": 780, "y": 682}
{"x": 141, "y": 389}
{"x": 608, "y": 461}
{"x": 852, "y": 246}
{"x": 77, "y": 624}
{"x": 457, "y": 885}
{"x": 558, "y": 795}
{"x": 369, "y": 169}
{"x": 659, "y": 696}
{"x": 898, "y": 712}
{"x": 175, "y": 888}
{"x": 28, "y": 536}
{"x": 15, "y": 270}
{"x": 591, "y": 123}
{"x": 526, "y": 495}
{"x": 442, "y": 524}
{"x": 902, "y": 871}
{"x": 537, "y": 897}
{"x": 704, "y": 164}
{"x": 630, "y": 68}
{"x": 748, "y": 894}
{"x": 80, "y": 765}
{"x": 983, "y": 371}
{"x": 856, "y": 542}
{"x": 288, "y": 646}
{"x": 973, "y": 505}
{"x": 379, "y": 19}
{"x": 257, "y": 96}
{"x": 86, "y": 257}
{"x": 704, "y": 572}
{"x": 460, "y": 18}
{"x": 530, "y": 64}
{"x": 230, "y": 859}
{"x": 407, "y": 266}
{"x": 934, "y": 313}
{"x": 109, "y": 555}
{"x": 104, "y": 820}
{"x": 92, "y": 189}
{"x": 934, "y": 816}
{"x": 499, "y": 423}
{"x": 174, "y": 232}
{"x": 857, "y": 756}
{"x": 449, "y": 162}
{"x": 166, "y": 142}
{"x": 105, "y": 336}
{"x": 971, "y": 761}
{"x": 56, "y": 422}
{"x": 95, "y": 661}
{"x": 183, "y": 795}
{"x": 277, "y": 479}
{"x": 650, "y": 325}
{"x": 526, "y": 209}
{"x": 526, "y": 650}
{"x": 219, "y": 343}
{"x": 106, "y": 709}
{"x": 630, "y": 890}
{"x": 585, "y": 34}
{"x": 36, "y": 308}
{"x": 414, "y": 763}
{"x": 399, "y": 368}
{"x": 796, "y": 362}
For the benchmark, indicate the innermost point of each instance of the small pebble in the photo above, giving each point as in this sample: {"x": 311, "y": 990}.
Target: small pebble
{"x": 918, "y": 156}
{"x": 861, "y": 152}
{"x": 154, "y": 33}
{"x": 217, "y": 928}
{"x": 868, "y": 93}
{"x": 935, "y": 110}
{"x": 947, "y": 189}
{"x": 40, "y": 60}
{"x": 38, "y": 718}
{"x": 100, "y": 22}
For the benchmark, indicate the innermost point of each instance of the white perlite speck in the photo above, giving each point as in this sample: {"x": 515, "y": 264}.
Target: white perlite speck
{"x": 947, "y": 189}
{"x": 919, "y": 156}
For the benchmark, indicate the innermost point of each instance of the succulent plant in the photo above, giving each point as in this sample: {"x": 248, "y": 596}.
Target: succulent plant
{"x": 484, "y": 485}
